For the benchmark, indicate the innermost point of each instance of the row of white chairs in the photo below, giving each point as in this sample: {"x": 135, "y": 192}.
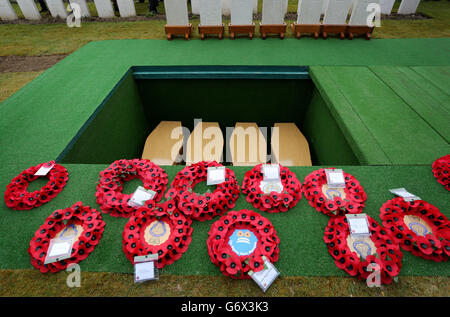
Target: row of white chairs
{"x": 309, "y": 19}
{"x": 58, "y": 8}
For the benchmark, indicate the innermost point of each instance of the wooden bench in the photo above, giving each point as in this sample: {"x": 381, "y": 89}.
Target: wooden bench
{"x": 248, "y": 147}
{"x": 205, "y": 143}
{"x": 160, "y": 147}
{"x": 289, "y": 146}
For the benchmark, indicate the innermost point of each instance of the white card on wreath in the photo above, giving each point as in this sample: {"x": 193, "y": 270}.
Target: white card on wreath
{"x": 145, "y": 269}
{"x": 358, "y": 224}
{"x": 59, "y": 249}
{"x": 266, "y": 276}
{"x": 44, "y": 169}
{"x": 216, "y": 175}
{"x": 335, "y": 178}
{"x": 406, "y": 195}
{"x": 140, "y": 196}
{"x": 271, "y": 172}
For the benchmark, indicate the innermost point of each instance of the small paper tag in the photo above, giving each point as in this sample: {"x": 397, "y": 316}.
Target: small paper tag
{"x": 266, "y": 276}
{"x": 44, "y": 169}
{"x": 58, "y": 250}
{"x": 145, "y": 269}
{"x": 402, "y": 192}
{"x": 216, "y": 175}
{"x": 335, "y": 178}
{"x": 268, "y": 187}
{"x": 358, "y": 225}
{"x": 271, "y": 172}
{"x": 140, "y": 196}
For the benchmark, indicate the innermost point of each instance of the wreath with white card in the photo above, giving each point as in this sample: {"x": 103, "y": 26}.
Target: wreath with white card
{"x": 159, "y": 229}
{"x": 82, "y": 225}
{"x": 272, "y": 196}
{"x": 17, "y": 196}
{"x": 334, "y": 201}
{"x": 361, "y": 256}
{"x": 211, "y": 204}
{"x": 109, "y": 188}
{"x": 419, "y": 227}
{"x": 239, "y": 241}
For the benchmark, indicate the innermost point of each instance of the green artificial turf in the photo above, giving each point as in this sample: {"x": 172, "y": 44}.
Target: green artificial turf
{"x": 302, "y": 250}
{"x": 53, "y": 108}
{"x": 395, "y": 128}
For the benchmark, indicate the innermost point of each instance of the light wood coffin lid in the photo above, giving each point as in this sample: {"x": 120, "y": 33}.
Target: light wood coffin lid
{"x": 242, "y": 156}
{"x": 209, "y": 135}
{"x": 289, "y": 146}
{"x": 159, "y": 144}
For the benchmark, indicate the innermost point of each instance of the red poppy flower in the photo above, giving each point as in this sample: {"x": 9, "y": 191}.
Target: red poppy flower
{"x": 157, "y": 230}
{"x": 356, "y": 264}
{"x": 248, "y": 227}
{"x": 274, "y": 201}
{"x": 92, "y": 225}
{"x": 430, "y": 246}
{"x": 353, "y": 202}
{"x": 203, "y": 207}
{"x": 17, "y": 197}
{"x": 109, "y": 195}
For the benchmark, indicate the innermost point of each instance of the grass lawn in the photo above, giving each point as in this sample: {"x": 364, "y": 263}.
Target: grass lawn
{"x": 47, "y": 39}
{"x": 57, "y": 38}
{"x": 33, "y": 283}
{"x": 11, "y": 82}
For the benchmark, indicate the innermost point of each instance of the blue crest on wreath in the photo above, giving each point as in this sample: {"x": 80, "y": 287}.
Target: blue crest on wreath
{"x": 243, "y": 242}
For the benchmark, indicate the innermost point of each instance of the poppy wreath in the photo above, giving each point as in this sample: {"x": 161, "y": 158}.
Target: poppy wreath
{"x": 109, "y": 189}
{"x": 17, "y": 197}
{"x": 238, "y": 241}
{"x": 87, "y": 218}
{"x": 157, "y": 228}
{"x": 441, "y": 170}
{"x": 332, "y": 205}
{"x": 207, "y": 206}
{"x": 419, "y": 227}
{"x": 380, "y": 250}
{"x": 274, "y": 202}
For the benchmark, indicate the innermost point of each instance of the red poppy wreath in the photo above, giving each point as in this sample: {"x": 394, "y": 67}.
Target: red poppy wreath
{"x": 360, "y": 256}
{"x": 272, "y": 197}
{"x": 109, "y": 189}
{"x": 157, "y": 228}
{"x": 334, "y": 201}
{"x": 238, "y": 241}
{"x": 207, "y": 206}
{"x": 17, "y": 197}
{"x": 419, "y": 227}
{"x": 82, "y": 223}
{"x": 441, "y": 170}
